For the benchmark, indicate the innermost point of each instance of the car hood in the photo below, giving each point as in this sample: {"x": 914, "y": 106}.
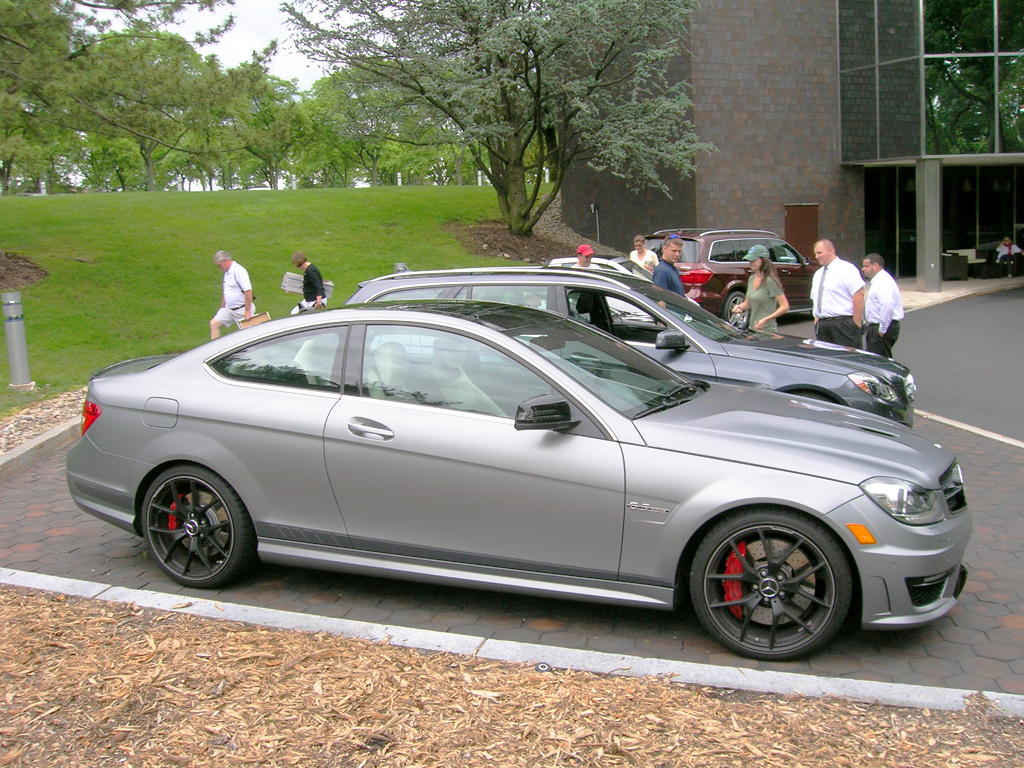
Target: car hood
{"x": 772, "y": 429}
{"x": 807, "y": 353}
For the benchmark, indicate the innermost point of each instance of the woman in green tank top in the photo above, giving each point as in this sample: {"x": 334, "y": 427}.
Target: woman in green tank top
{"x": 765, "y": 298}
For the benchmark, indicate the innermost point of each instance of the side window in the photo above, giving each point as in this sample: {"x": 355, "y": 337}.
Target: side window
{"x": 631, "y": 322}
{"x": 589, "y": 307}
{"x": 304, "y": 360}
{"x": 409, "y": 294}
{"x": 783, "y": 253}
{"x": 444, "y": 370}
{"x": 521, "y": 295}
{"x": 728, "y": 251}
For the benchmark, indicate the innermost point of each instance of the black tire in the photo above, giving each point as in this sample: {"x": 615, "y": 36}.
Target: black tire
{"x": 740, "y": 319}
{"x": 197, "y": 528}
{"x": 771, "y": 584}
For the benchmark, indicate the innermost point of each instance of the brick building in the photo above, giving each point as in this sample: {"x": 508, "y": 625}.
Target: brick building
{"x": 829, "y": 115}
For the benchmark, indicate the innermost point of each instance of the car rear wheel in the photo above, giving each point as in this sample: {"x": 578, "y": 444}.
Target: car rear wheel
{"x": 771, "y": 584}
{"x": 740, "y": 319}
{"x": 197, "y": 528}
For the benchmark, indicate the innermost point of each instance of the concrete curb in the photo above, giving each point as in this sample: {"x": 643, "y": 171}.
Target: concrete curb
{"x": 31, "y": 451}
{"x": 779, "y": 683}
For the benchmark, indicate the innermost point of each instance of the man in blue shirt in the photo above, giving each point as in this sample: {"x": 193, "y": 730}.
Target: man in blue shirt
{"x": 665, "y": 274}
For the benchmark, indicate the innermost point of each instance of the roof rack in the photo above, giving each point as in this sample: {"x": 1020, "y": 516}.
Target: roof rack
{"x": 533, "y": 270}
{"x": 702, "y": 232}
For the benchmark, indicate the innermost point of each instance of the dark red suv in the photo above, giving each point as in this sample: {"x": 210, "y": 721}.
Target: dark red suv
{"x": 715, "y": 275}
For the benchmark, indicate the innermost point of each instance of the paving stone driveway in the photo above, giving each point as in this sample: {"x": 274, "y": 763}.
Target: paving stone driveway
{"x": 978, "y": 646}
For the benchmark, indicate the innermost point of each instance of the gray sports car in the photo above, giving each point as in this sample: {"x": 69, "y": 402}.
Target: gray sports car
{"x": 510, "y": 448}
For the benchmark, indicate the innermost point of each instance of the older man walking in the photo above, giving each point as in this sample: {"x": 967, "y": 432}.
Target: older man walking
{"x": 236, "y": 303}
{"x": 883, "y": 307}
{"x": 837, "y": 292}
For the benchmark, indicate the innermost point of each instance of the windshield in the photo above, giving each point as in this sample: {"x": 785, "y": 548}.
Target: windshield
{"x": 628, "y": 381}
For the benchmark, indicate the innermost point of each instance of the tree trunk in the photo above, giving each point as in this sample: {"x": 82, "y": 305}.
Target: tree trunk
{"x": 509, "y": 180}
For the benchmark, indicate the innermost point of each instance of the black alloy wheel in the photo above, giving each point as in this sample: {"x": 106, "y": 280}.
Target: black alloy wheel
{"x": 197, "y": 528}
{"x": 771, "y": 584}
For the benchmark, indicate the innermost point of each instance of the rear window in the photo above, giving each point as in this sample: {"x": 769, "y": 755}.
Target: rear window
{"x": 691, "y": 249}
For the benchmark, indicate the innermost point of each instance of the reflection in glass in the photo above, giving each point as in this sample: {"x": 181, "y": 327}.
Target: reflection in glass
{"x": 1011, "y": 26}
{"x": 960, "y": 105}
{"x": 1011, "y": 103}
{"x": 958, "y": 26}
{"x": 859, "y": 130}
{"x": 856, "y": 33}
{"x": 898, "y": 29}
{"x": 899, "y": 95}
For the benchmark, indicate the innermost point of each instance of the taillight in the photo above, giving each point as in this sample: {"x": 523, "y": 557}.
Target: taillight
{"x": 90, "y": 412}
{"x": 696, "y": 276}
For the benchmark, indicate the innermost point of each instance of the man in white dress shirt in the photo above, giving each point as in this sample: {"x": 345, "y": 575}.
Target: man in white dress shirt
{"x": 837, "y": 291}
{"x": 883, "y": 307}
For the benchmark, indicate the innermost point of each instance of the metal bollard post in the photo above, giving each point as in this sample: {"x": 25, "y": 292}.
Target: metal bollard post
{"x": 17, "y": 349}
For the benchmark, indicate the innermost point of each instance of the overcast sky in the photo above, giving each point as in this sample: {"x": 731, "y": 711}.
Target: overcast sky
{"x": 257, "y": 22}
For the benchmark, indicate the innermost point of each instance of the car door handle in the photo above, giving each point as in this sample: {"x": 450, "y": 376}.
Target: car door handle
{"x": 370, "y": 429}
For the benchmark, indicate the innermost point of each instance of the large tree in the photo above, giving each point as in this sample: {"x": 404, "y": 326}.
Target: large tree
{"x": 527, "y": 84}
{"x": 44, "y": 44}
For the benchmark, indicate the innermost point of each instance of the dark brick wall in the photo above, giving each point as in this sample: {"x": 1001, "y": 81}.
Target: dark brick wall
{"x": 765, "y": 91}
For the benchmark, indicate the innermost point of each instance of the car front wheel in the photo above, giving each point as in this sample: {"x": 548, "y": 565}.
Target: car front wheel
{"x": 771, "y": 584}
{"x": 197, "y": 528}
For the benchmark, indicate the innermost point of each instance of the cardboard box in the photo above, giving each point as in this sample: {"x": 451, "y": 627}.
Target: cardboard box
{"x": 262, "y": 317}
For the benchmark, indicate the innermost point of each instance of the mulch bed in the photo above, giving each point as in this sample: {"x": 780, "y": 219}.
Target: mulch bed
{"x": 494, "y": 239}
{"x": 16, "y": 272}
{"x": 88, "y": 683}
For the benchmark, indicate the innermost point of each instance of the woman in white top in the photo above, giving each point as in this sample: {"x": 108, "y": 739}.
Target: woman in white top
{"x": 646, "y": 259}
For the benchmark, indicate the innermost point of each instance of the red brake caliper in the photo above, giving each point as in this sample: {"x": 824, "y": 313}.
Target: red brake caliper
{"x": 733, "y": 588}
{"x": 172, "y": 520}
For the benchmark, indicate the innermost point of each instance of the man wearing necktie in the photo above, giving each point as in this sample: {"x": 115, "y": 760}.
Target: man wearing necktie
{"x": 837, "y": 291}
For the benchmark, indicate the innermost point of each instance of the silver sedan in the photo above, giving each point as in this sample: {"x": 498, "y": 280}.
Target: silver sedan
{"x": 509, "y": 448}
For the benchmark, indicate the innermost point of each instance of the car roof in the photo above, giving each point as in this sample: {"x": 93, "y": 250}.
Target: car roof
{"x": 701, "y": 232}
{"x": 623, "y": 281}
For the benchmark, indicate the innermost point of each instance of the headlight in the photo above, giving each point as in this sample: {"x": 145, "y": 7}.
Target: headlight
{"x": 911, "y": 388}
{"x": 873, "y": 386}
{"x": 904, "y": 501}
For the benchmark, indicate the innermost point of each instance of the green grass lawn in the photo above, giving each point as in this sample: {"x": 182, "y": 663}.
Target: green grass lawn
{"x": 133, "y": 274}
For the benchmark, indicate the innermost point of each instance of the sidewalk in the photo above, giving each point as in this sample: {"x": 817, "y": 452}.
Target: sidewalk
{"x": 952, "y": 290}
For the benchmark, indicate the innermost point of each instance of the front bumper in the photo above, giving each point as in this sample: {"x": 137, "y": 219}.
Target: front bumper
{"x": 913, "y": 574}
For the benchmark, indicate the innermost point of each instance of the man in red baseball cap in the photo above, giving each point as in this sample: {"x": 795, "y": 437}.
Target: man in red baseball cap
{"x": 583, "y": 256}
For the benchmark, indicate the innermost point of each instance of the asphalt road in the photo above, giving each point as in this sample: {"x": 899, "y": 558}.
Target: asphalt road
{"x": 967, "y": 357}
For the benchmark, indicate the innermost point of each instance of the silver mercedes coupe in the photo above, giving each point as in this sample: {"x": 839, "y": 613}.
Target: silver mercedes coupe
{"x": 510, "y": 448}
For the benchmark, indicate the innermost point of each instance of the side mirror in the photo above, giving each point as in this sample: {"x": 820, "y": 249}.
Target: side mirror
{"x": 550, "y": 411}
{"x": 672, "y": 340}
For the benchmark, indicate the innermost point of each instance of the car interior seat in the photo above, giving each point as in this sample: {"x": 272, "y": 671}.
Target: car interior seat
{"x": 387, "y": 374}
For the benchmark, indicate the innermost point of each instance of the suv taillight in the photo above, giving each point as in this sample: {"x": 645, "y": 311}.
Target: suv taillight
{"x": 90, "y": 412}
{"x": 696, "y": 276}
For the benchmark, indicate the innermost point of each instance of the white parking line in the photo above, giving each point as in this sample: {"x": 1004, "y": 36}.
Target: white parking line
{"x": 973, "y": 430}
{"x": 780, "y": 683}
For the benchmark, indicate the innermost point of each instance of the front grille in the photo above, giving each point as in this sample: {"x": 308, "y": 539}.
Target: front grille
{"x": 952, "y": 482}
{"x": 925, "y": 590}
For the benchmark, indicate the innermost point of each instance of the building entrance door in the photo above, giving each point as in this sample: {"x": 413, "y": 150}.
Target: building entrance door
{"x": 802, "y": 227}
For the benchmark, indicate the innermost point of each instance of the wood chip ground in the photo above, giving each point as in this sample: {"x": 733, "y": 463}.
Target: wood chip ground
{"x": 88, "y": 683}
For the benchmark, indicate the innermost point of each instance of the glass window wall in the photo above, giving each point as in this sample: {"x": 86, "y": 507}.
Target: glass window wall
{"x": 971, "y": 95}
{"x": 959, "y": 26}
{"x": 959, "y": 106}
